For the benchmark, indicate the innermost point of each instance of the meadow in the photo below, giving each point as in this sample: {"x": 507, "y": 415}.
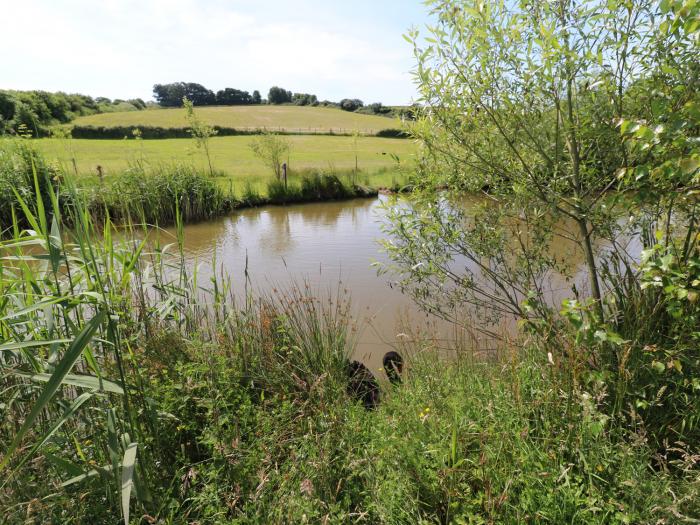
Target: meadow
{"x": 272, "y": 117}
{"x": 233, "y": 159}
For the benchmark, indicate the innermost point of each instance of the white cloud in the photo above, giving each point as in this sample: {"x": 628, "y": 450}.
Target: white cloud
{"x": 120, "y": 48}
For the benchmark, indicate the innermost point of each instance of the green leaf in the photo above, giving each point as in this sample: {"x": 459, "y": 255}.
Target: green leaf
{"x": 32, "y": 308}
{"x": 90, "y": 473}
{"x": 128, "y": 478}
{"x": 31, "y": 344}
{"x": 64, "y": 464}
{"x": 62, "y": 369}
{"x": 84, "y": 381}
{"x": 658, "y": 366}
{"x": 77, "y": 403}
{"x": 689, "y": 165}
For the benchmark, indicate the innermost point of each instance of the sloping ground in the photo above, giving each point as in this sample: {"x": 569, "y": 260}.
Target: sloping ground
{"x": 274, "y": 118}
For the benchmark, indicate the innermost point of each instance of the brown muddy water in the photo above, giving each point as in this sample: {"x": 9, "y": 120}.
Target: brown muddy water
{"x": 324, "y": 244}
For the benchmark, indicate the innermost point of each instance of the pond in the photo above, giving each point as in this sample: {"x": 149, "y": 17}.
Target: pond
{"x": 324, "y": 244}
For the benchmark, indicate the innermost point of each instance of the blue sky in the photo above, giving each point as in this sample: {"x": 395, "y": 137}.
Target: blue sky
{"x": 120, "y": 48}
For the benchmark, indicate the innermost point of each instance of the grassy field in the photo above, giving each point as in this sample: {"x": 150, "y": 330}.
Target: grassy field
{"x": 233, "y": 156}
{"x": 288, "y": 118}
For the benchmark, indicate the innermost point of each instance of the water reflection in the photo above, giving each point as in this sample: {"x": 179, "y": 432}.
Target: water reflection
{"x": 324, "y": 243}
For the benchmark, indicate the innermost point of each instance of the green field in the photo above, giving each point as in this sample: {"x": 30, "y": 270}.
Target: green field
{"x": 233, "y": 156}
{"x": 287, "y": 118}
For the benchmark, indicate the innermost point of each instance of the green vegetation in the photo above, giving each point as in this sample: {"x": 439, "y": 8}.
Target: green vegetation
{"x": 132, "y": 389}
{"x": 125, "y": 396}
{"x": 34, "y": 112}
{"x": 200, "y": 132}
{"x": 158, "y": 195}
{"x": 272, "y": 150}
{"x": 236, "y": 163}
{"x": 596, "y": 130}
{"x": 171, "y": 95}
{"x": 271, "y": 117}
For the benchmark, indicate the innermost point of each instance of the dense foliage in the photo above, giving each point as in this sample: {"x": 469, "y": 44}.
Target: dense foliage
{"x": 33, "y": 112}
{"x": 351, "y": 104}
{"x": 579, "y": 121}
{"x": 278, "y": 95}
{"x": 171, "y": 95}
{"x": 133, "y": 390}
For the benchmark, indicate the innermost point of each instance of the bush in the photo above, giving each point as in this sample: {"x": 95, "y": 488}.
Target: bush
{"x": 34, "y": 112}
{"x": 242, "y": 414}
{"x": 393, "y": 133}
{"x": 19, "y": 162}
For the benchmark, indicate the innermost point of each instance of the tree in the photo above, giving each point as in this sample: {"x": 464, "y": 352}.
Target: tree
{"x": 256, "y": 99}
{"x": 233, "y": 97}
{"x": 200, "y": 131}
{"x": 304, "y": 99}
{"x": 277, "y": 95}
{"x": 520, "y": 100}
{"x": 351, "y": 104}
{"x": 272, "y": 149}
{"x": 171, "y": 95}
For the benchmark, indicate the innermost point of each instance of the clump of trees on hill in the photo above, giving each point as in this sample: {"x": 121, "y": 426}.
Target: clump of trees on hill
{"x": 278, "y": 95}
{"x": 34, "y": 111}
{"x": 351, "y": 104}
{"x": 171, "y": 95}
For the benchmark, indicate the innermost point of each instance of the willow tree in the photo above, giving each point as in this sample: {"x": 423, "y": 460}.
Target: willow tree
{"x": 521, "y": 101}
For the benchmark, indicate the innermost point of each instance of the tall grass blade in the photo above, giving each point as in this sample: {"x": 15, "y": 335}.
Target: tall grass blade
{"x": 77, "y": 403}
{"x": 84, "y": 381}
{"x": 128, "y": 478}
{"x": 29, "y": 344}
{"x": 62, "y": 369}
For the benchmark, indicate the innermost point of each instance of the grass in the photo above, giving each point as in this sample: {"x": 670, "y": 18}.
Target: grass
{"x": 288, "y": 118}
{"x": 157, "y": 195}
{"x": 233, "y": 157}
{"x": 132, "y": 390}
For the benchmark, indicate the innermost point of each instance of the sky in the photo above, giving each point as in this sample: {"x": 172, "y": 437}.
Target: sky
{"x": 119, "y": 48}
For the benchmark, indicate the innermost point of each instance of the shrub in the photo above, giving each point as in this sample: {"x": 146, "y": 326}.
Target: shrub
{"x": 393, "y": 133}
{"x": 19, "y": 163}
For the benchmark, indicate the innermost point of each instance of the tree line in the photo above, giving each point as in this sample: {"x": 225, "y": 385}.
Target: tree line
{"x": 171, "y": 95}
{"x": 32, "y": 112}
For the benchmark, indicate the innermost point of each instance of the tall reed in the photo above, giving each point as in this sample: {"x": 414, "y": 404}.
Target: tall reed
{"x": 80, "y": 304}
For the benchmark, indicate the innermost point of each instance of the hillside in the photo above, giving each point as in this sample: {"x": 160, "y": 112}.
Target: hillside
{"x": 287, "y": 118}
